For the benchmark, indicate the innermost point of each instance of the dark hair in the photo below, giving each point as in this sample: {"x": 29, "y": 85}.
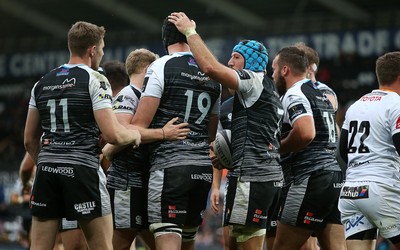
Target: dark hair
{"x": 116, "y": 74}
{"x": 294, "y": 58}
{"x": 170, "y": 34}
{"x": 388, "y": 68}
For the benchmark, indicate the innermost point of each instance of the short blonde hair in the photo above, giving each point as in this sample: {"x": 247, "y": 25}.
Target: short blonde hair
{"x": 83, "y": 35}
{"x": 138, "y": 59}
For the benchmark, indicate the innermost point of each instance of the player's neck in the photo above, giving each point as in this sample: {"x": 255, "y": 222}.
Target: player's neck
{"x": 137, "y": 80}
{"x": 80, "y": 60}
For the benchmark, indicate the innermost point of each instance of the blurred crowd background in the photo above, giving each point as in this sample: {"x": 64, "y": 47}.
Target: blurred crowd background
{"x": 349, "y": 36}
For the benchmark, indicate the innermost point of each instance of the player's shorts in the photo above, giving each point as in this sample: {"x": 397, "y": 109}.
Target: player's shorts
{"x": 69, "y": 191}
{"x": 69, "y": 225}
{"x": 312, "y": 203}
{"x": 273, "y": 213}
{"x": 179, "y": 195}
{"x": 129, "y": 208}
{"x": 366, "y": 205}
{"x": 248, "y": 203}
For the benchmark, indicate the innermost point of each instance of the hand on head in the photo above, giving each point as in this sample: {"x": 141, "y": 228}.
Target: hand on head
{"x": 183, "y": 23}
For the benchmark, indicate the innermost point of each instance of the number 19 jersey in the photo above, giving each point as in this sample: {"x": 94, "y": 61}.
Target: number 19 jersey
{"x": 371, "y": 122}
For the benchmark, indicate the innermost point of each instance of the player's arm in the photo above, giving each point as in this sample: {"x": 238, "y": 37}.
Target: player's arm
{"x": 26, "y": 170}
{"x": 396, "y": 142}
{"x": 112, "y": 131}
{"x": 204, "y": 58}
{"x": 302, "y": 134}
{"x": 215, "y": 186}
{"x": 32, "y": 133}
{"x": 343, "y": 140}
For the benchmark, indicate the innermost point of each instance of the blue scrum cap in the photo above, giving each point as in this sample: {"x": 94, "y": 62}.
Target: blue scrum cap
{"x": 254, "y": 53}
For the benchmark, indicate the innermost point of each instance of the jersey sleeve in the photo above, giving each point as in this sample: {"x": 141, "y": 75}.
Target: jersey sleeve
{"x": 125, "y": 102}
{"x": 394, "y": 119}
{"x": 249, "y": 87}
{"x": 154, "y": 80}
{"x": 296, "y": 106}
{"x": 100, "y": 91}
{"x": 32, "y": 100}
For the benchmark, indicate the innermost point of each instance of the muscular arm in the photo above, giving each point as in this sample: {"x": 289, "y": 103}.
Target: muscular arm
{"x": 112, "y": 131}
{"x": 343, "y": 145}
{"x": 32, "y": 133}
{"x": 302, "y": 134}
{"x": 204, "y": 58}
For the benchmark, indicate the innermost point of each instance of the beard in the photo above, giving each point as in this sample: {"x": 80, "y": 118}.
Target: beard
{"x": 280, "y": 83}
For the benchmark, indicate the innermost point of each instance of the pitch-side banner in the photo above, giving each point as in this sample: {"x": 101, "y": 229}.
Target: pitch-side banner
{"x": 365, "y": 43}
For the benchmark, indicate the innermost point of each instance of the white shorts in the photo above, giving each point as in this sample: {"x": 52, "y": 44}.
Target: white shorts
{"x": 366, "y": 205}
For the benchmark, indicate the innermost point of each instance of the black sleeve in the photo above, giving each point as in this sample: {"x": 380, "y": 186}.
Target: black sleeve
{"x": 343, "y": 145}
{"x": 396, "y": 142}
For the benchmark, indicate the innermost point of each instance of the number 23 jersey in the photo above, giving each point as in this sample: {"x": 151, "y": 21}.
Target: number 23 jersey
{"x": 371, "y": 122}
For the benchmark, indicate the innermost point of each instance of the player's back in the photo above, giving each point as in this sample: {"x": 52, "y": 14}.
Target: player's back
{"x": 190, "y": 95}
{"x": 65, "y": 104}
{"x": 371, "y": 122}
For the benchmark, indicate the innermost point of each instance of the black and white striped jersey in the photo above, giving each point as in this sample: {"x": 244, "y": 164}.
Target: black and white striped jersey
{"x": 66, "y": 98}
{"x": 129, "y": 161}
{"x": 184, "y": 92}
{"x": 305, "y": 99}
{"x": 256, "y": 124}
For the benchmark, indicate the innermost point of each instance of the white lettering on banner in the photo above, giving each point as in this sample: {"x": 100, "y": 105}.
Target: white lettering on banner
{"x": 330, "y": 45}
{"x": 35, "y": 63}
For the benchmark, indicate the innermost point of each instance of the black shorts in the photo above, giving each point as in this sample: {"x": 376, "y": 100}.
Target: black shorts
{"x": 179, "y": 195}
{"x": 129, "y": 208}
{"x": 249, "y": 203}
{"x": 69, "y": 191}
{"x": 313, "y": 202}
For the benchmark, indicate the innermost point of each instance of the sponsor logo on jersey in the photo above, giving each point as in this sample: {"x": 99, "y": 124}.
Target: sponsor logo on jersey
{"x": 65, "y": 171}
{"x": 278, "y": 183}
{"x": 309, "y": 217}
{"x": 398, "y": 123}
{"x": 193, "y": 77}
{"x": 105, "y": 96}
{"x": 120, "y": 98}
{"x": 354, "y": 193}
{"x": 67, "y": 83}
{"x": 243, "y": 75}
{"x": 368, "y": 98}
{"x": 296, "y": 110}
{"x": 192, "y": 62}
{"x": 63, "y": 72}
{"x": 122, "y": 107}
{"x": 85, "y": 207}
{"x": 204, "y": 177}
{"x": 103, "y": 85}
{"x": 354, "y": 221}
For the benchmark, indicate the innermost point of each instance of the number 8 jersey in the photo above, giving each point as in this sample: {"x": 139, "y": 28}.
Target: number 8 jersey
{"x": 371, "y": 122}
{"x": 65, "y": 99}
